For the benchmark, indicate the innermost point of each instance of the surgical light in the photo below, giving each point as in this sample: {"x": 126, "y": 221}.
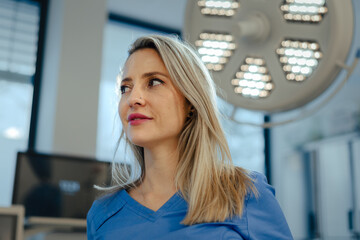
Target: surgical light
{"x": 272, "y": 56}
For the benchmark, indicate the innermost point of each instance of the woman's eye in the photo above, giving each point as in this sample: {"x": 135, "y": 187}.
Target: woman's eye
{"x": 124, "y": 89}
{"x": 155, "y": 82}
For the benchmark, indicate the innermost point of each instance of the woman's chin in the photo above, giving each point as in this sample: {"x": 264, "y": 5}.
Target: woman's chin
{"x": 139, "y": 142}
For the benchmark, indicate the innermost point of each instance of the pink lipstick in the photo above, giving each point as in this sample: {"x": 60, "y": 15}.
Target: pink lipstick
{"x": 137, "y": 119}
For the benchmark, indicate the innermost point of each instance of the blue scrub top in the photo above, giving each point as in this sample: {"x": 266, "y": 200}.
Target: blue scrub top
{"x": 119, "y": 216}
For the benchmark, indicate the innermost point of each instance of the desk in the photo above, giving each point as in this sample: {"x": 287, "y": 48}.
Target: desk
{"x": 42, "y": 228}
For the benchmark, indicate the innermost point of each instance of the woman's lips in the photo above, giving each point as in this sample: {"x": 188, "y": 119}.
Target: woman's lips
{"x": 137, "y": 119}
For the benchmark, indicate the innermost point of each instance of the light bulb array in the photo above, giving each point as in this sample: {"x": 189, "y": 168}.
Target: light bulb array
{"x": 299, "y": 58}
{"x": 311, "y": 11}
{"x": 253, "y": 80}
{"x": 215, "y": 49}
{"x": 224, "y": 8}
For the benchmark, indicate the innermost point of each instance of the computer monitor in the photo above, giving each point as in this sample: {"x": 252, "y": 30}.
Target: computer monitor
{"x": 12, "y": 223}
{"x": 56, "y": 186}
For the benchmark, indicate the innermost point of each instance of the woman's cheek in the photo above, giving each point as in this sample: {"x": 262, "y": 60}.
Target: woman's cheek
{"x": 122, "y": 111}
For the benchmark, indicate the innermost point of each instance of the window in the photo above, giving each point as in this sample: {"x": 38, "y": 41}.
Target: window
{"x": 19, "y": 25}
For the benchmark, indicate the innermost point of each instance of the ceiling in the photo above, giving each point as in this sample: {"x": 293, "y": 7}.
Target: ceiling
{"x": 165, "y": 13}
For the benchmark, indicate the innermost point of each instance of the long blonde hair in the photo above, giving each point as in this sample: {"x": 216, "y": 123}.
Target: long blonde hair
{"x": 212, "y": 186}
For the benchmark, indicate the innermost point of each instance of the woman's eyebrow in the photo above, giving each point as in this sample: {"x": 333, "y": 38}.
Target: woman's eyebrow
{"x": 126, "y": 80}
{"x": 150, "y": 74}
{"x": 145, "y": 75}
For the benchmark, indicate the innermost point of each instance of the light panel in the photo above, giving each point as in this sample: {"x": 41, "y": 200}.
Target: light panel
{"x": 299, "y": 58}
{"x": 308, "y": 11}
{"x": 253, "y": 80}
{"x": 225, "y": 8}
{"x": 215, "y": 49}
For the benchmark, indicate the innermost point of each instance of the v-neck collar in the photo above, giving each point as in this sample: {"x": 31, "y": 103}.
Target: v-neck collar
{"x": 147, "y": 212}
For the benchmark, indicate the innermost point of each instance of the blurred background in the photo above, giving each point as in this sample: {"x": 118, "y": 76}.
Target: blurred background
{"x": 58, "y": 65}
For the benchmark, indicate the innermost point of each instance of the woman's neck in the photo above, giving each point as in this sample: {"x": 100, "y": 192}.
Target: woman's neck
{"x": 160, "y": 169}
{"x": 158, "y": 184}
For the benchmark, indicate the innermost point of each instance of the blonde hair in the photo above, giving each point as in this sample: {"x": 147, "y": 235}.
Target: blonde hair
{"x": 212, "y": 186}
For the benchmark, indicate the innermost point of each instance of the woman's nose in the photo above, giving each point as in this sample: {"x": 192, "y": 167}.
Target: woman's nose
{"x": 136, "y": 97}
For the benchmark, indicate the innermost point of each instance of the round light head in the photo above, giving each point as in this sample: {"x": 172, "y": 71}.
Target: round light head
{"x": 297, "y": 56}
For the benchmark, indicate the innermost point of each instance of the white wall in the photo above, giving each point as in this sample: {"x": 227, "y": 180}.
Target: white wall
{"x": 71, "y": 77}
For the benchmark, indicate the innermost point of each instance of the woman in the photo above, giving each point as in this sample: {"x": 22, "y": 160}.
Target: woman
{"x": 185, "y": 186}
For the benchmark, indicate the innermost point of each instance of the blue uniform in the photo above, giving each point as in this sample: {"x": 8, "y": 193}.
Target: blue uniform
{"x": 119, "y": 216}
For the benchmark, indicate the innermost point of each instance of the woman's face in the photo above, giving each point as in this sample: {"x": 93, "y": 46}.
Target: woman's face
{"x": 151, "y": 109}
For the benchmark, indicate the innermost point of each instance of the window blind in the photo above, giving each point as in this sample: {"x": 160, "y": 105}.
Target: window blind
{"x": 19, "y": 25}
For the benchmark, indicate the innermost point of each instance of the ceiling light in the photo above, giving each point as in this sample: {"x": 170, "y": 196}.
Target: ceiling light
{"x": 12, "y": 133}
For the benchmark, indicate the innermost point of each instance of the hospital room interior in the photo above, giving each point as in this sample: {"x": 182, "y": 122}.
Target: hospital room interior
{"x": 287, "y": 78}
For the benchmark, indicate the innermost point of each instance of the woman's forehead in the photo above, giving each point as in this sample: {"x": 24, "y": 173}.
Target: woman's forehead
{"x": 146, "y": 59}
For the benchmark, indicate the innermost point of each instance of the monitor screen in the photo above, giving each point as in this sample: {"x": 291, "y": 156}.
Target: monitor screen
{"x": 58, "y": 186}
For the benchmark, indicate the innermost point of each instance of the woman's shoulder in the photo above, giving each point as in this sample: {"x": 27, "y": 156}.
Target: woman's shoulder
{"x": 262, "y": 187}
{"x": 104, "y": 207}
{"x": 262, "y": 209}
{"x": 262, "y": 197}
